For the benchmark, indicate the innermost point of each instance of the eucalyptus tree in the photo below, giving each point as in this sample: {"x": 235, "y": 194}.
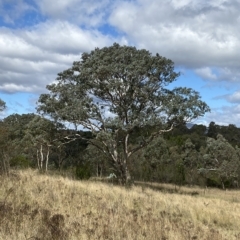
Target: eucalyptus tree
{"x": 18, "y": 127}
{"x": 221, "y": 161}
{"x": 114, "y": 90}
{"x": 42, "y": 135}
{"x": 156, "y": 156}
{"x": 2, "y": 105}
{"x": 18, "y": 124}
{"x": 191, "y": 159}
{"x": 5, "y": 149}
{"x": 4, "y": 134}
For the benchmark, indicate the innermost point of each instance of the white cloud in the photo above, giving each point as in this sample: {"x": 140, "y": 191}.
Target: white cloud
{"x": 11, "y": 87}
{"x": 234, "y": 98}
{"x": 225, "y": 115}
{"x": 49, "y": 40}
{"x": 31, "y": 58}
{"x": 206, "y": 73}
{"x": 83, "y": 12}
{"x": 230, "y": 74}
{"x": 195, "y": 34}
{"x": 65, "y": 38}
{"x": 199, "y": 35}
{"x": 180, "y": 4}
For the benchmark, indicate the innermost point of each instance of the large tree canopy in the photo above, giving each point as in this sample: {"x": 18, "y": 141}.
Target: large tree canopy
{"x": 115, "y": 90}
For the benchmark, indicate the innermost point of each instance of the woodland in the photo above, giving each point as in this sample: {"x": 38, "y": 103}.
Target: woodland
{"x": 125, "y": 123}
{"x": 189, "y": 154}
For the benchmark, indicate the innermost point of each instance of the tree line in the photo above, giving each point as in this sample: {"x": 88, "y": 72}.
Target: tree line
{"x": 198, "y": 155}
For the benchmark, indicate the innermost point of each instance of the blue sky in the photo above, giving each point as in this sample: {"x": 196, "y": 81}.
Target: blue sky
{"x": 39, "y": 38}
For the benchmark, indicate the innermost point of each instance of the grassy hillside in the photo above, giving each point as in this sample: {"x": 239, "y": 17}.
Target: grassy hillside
{"x": 34, "y": 206}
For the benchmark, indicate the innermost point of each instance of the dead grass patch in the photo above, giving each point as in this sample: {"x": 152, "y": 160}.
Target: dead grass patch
{"x": 34, "y": 206}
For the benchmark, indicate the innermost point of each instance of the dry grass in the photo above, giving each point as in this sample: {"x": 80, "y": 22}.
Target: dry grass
{"x": 34, "y": 206}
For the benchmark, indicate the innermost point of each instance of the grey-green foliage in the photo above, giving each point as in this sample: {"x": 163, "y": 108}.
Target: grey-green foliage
{"x": 40, "y": 130}
{"x": 221, "y": 159}
{"x": 41, "y": 135}
{"x": 2, "y": 105}
{"x": 16, "y": 125}
{"x": 113, "y": 90}
{"x": 157, "y": 152}
{"x": 22, "y": 131}
{"x": 156, "y": 158}
{"x": 191, "y": 159}
{"x": 99, "y": 162}
{"x": 5, "y": 149}
{"x": 190, "y": 155}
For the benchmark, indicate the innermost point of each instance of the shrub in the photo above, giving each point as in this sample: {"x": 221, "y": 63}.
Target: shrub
{"x": 19, "y": 161}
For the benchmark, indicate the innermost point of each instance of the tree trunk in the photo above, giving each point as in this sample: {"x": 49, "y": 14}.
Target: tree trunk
{"x": 125, "y": 176}
{"x": 101, "y": 170}
{"x": 120, "y": 165}
{"x": 5, "y": 164}
{"x": 97, "y": 170}
{"x": 47, "y": 158}
{"x": 128, "y": 178}
{"x": 235, "y": 183}
{"x": 223, "y": 186}
{"x": 38, "y": 160}
{"x": 41, "y": 160}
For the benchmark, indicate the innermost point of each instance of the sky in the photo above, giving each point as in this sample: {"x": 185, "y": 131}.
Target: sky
{"x": 40, "y": 38}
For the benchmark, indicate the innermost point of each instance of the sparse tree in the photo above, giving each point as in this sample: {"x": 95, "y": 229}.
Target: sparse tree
{"x": 2, "y": 105}
{"x": 114, "y": 90}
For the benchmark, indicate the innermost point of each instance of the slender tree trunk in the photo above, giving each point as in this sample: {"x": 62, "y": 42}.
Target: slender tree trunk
{"x": 101, "y": 170}
{"x": 41, "y": 160}
{"x": 237, "y": 186}
{"x": 235, "y": 183}
{"x": 47, "y": 158}
{"x": 223, "y": 186}
{"x": 97, "y": 169}
{"x": 5, "y": 164}
{"x": 38, "y": 160}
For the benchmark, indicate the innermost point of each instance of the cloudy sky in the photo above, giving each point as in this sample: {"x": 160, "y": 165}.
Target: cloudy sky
{"x": 39, "y": 38}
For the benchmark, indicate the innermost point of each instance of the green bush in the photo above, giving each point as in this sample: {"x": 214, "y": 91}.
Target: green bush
{"x": 83, "y": 171}
{"x": 19, "y": 161}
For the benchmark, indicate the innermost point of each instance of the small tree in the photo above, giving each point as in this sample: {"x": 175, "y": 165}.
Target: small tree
{"x": 41, "y": 135}
{"x": 4, "y": 135}
{"x": 191, "y": 159}
{"x": 4, "y": 149}
{"x": 221, "y": 161}
{"x": 99, "y": 162}
{"x": 114, "y": 90}
{"x": 156, "y": 155}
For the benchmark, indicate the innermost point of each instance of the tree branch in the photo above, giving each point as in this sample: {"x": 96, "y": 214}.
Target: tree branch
{"x": 153, "y": 136}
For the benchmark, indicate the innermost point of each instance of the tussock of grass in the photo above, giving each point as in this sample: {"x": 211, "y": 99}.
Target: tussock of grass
{"x": 34, "y": 206}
